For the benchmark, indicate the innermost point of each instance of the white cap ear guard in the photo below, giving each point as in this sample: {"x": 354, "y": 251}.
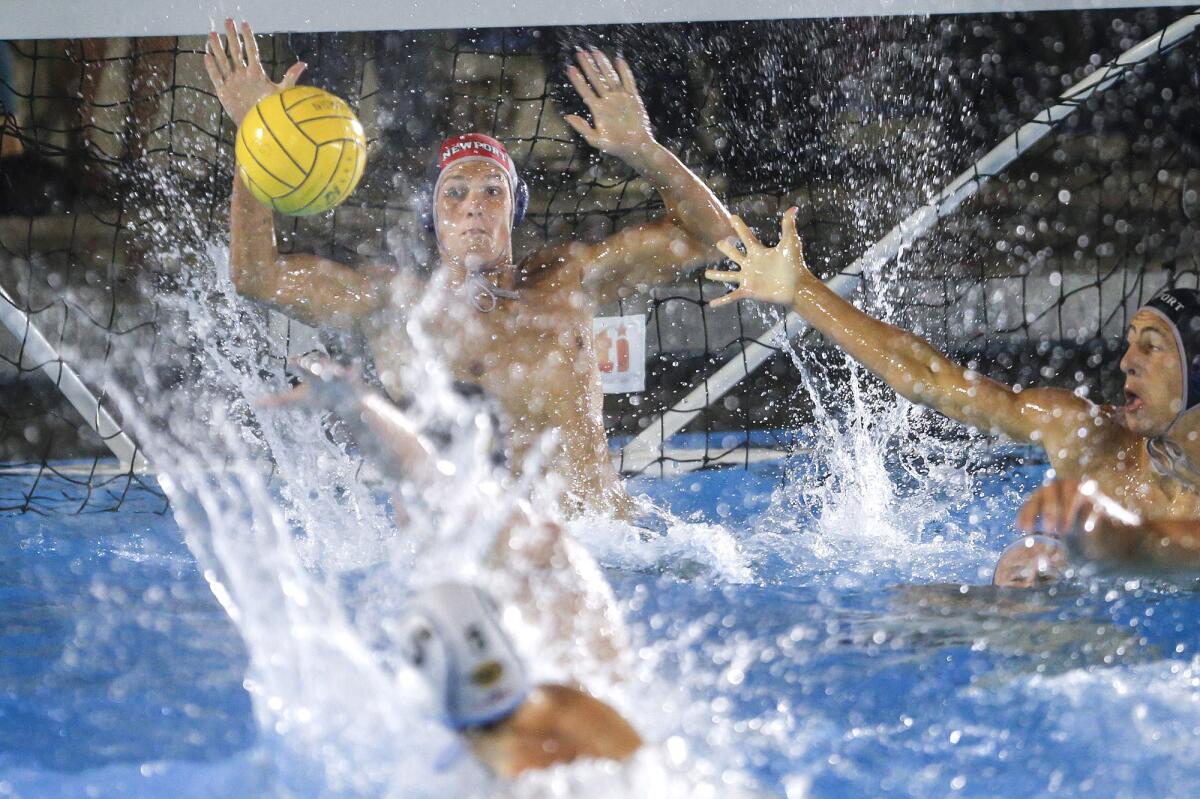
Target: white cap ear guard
{"x": 451, "y": 634}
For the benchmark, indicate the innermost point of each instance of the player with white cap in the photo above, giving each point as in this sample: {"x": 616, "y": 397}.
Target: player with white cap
{"x": 452, "y": 631}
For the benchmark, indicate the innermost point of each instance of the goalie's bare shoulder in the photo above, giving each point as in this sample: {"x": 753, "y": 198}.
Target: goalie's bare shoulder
{"x": 554, "y": 263}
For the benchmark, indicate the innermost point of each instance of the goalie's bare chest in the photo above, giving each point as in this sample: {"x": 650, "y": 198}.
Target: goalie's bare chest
{"x": 526, "y": 351}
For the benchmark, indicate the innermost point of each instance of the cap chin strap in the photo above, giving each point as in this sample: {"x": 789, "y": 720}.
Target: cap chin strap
{"x": 485, "y": 295}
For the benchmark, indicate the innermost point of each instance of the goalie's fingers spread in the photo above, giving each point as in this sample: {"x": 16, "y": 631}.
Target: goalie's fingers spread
{"x": 606, "y": 68}
{"x": 722, "y": 276}
{"x": 581, "y": 126}
{"x": 252, "y": 59}
{"x": 588, "y": 65}
{"x": 217, "y": 50}
{"x": 728, "y": 248}
{"x": 235, "y": 45}
{"x": 628, "y": 81}
{"x": 214, "y": 73}
{"x": 293, "y": 74}
{"x": 600, "y": 63}
{"x": 585, "y": 90}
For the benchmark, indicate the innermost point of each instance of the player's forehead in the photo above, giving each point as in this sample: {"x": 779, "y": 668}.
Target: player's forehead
{"x": 480, "y": 171}
{"x": 1148, "y": 323}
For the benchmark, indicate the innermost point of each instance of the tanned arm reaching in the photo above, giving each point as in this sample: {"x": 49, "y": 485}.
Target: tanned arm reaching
{"x": 314, "y": 290}
{"x": 907, "y": 363}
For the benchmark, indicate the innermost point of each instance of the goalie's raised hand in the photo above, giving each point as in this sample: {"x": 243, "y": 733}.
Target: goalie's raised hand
{"x": 238, "y": 75}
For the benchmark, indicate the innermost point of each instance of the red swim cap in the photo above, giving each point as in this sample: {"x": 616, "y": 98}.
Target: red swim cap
{"x": 475, "y": 147}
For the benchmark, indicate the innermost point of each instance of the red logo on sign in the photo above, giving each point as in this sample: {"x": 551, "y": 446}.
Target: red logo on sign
{"x": 605, "y": 347}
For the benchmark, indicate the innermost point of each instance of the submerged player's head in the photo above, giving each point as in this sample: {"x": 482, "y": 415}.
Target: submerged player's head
{"x": 1033, "y": 561}
{"x": 477, "y": 200}
{"x": 1162, "y": 362}
{"x": 451, "y": 634}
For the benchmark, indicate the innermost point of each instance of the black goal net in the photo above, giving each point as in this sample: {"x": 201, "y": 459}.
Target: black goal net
{"x": 117, "y": 166}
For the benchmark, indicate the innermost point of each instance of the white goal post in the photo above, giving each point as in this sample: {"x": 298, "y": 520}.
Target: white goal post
{"x": 37, "y": 353}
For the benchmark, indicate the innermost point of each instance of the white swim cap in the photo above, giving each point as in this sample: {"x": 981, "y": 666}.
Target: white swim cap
{"x": 451, "y": 634}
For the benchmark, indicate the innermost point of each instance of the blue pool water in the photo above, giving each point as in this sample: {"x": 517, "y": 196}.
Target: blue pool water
{"x": 820, "y": 661}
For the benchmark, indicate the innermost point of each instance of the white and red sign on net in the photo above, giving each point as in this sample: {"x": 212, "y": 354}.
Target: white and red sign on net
{"x": 620, "y": 343}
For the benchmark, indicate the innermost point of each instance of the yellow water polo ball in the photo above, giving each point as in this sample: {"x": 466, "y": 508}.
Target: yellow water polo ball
{"x": 301, "y": 151}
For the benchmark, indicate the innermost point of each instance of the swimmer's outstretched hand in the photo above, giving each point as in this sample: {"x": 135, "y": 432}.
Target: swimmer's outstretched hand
{"x": 770, "y": 274}
{"x": 239, "y": 77}
{"x": 620, "y": 125}
{"x": 1093, "y": 523}
{"x": 327, "y": 385}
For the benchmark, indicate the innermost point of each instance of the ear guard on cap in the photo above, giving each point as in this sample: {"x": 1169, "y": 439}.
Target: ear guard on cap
{"x": 520, "y": 206}
{"x": 451, "y": 634}
{"x": 520, "y": 202}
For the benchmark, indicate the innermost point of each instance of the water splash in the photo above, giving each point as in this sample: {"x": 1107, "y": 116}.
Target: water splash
{"x": 306, "y": 556}
{"x": 307, "y": 560}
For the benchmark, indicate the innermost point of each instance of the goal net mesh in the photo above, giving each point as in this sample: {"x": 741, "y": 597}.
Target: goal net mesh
{"x": 118, "y": 162}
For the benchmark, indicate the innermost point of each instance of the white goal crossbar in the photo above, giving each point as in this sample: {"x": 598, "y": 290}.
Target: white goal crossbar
{"x": 646, "y": 448}
{"x": 71, "y": 19}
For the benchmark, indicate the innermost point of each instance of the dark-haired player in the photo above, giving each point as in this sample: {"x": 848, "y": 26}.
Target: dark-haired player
{"x": 1143, "y": 454}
